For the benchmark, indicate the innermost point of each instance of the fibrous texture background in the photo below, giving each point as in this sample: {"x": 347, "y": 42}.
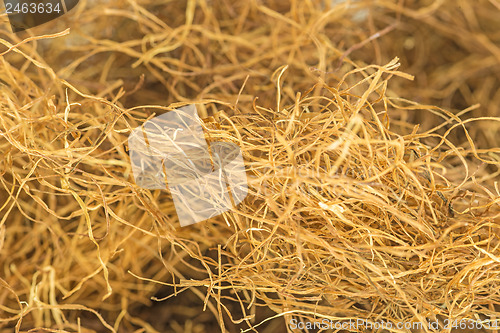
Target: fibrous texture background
{"x": 370, "y": 134}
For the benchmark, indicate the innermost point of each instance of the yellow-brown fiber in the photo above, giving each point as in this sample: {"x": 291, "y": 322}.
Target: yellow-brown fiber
{"x": 370, "y": 135}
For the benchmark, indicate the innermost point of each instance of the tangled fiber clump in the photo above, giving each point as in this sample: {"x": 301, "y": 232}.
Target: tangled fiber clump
{"x": 356, "y": 208}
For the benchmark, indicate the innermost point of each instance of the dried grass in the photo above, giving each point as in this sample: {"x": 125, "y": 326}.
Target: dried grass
{"x": 366, "y": 201}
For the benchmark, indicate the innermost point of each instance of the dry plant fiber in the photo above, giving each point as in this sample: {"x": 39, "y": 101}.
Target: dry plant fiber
{"x": 369, "y": 132}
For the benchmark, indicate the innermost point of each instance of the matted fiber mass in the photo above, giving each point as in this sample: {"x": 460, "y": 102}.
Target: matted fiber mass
{"x": 370, "y": 135}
